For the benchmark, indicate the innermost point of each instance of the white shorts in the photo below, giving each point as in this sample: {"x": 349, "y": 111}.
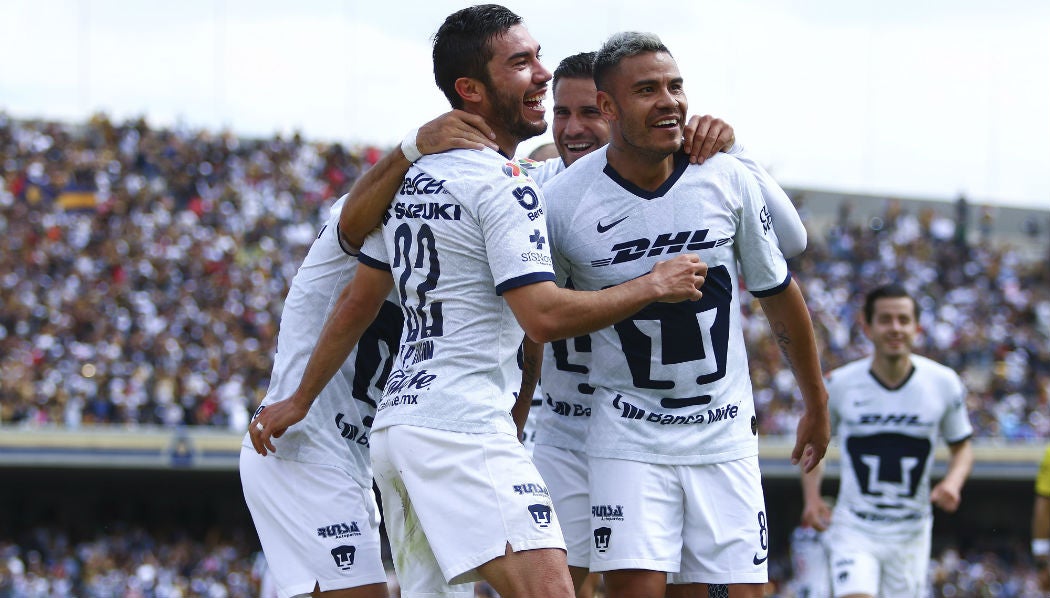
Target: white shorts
{"x": 454, "y": 501}
{"x": 315, "y": 523}
{"x": 862, "y": 563}
{"x": 565, "y": 472}
{"x": 700, "y": 523}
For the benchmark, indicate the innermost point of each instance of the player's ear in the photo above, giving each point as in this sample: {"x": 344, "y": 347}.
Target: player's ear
{"x": 864, "y": 327}
{"x": 471, "y": 90}
{"x": 607, "y": 106}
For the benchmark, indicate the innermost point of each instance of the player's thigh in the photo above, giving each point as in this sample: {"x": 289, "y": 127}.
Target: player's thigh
{"x": 317, "y": 526}
{"x": 565, "y": 473}
{"x": 905, "y": 565}
{"x": 854, "y": 562}
{"x": 418, "y": 571}
{"x": 473, "y": 495}
{"x": 637, "y": 514}
{"x": 726, "y": 533}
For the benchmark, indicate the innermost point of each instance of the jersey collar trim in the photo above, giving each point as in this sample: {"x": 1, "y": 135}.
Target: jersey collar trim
{"x": 681, "y": 161}
{"x": 911, "y": 373}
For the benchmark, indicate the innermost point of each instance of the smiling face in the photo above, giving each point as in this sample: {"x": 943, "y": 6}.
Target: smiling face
{"x": 579, "y": 127}
{"x": 516, "y": 86}
{"x": 646, "y": 105}
{"x": 893, "y": 327}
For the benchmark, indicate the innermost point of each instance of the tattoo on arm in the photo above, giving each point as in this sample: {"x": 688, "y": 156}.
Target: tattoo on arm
{"x": 783, "y": 339}
{"x": 529, "y": 371}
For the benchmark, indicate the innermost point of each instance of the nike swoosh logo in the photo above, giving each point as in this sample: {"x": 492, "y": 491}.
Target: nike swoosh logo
{"x": 602, "y": 229}
{"x": 759, "y": 561}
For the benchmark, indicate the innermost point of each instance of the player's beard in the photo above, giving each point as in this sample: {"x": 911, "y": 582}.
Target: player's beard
{"x": 508, "y": 111}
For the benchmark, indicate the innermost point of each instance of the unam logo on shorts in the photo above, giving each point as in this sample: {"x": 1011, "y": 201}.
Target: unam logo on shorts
{"x": 602, "y": 535}
{"x": 541, "y": 514}
{"x": 344, "y": 556}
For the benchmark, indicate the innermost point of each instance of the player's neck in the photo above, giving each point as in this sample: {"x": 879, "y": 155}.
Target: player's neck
{"x": 891, "y": 370}
{"x": 646, "y": 170}
{"x": 508, "y": 143}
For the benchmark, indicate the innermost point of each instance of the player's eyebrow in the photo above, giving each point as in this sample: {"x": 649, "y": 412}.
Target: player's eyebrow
{"x": 524, "y": 54}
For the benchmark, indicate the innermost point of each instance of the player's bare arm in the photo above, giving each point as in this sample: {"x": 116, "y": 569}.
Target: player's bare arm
{"x": 793, "y": 332}
{"x": 705, "y": 136}
{"x": 531, "y": 365}
{"x": 948, "y": 493}
{"x": 357, "y": 306}
{"x": 816, "y": 512}
{"x": 548, "y": 313}
{"x": 371, "y": 194}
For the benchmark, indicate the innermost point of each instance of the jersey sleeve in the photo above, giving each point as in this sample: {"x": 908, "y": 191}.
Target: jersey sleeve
{"x": 791, "y": 233}
{"x": 955, "y": 425}
{"x": 562, "y": 266}
{"x": 515, "y": 232}
{"x": 762, "y": 264}
{"x": 373, "y": 251}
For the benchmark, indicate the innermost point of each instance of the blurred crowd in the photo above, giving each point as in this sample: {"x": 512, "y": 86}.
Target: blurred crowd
{"x": 131, "y": 562}
{"x": 128, "y": 563}
{"x": 143, "y": 272}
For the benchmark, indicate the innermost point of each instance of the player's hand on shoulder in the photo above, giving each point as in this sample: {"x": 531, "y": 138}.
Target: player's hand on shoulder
{"x": 705, "y": 136}
{"x": 455, "y": 129}
{"x": 679, "y": 278}
{"x": 272, "y": 422}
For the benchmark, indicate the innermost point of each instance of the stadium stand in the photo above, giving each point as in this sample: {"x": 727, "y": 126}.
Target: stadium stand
{"x": 140, "y": 284}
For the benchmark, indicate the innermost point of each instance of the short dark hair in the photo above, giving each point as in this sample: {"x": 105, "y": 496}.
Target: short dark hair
{"x": 463, "y": 46}
{"x": 620, "y": 46}
{"x": 577, "y": 66}
{"x": 887, "y": 291}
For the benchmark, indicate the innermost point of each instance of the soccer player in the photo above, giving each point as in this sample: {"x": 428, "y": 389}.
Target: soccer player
{"x": 1041, "y": 522}
{"x": 312, "y": 501}
{"x": 561, "y": 423}
{"x": 465, "y": 241}
{"x": 672, "y": 410}
{"x": 888, "y": 411}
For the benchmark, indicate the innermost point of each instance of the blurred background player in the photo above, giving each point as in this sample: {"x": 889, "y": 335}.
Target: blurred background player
{"x": 811, "y": 573}
{"x": 888, "y": 411}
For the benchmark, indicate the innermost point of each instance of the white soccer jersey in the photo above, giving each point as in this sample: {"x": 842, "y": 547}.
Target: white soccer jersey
{"x": 562, "y": 408}
{"x": 888, "y": 438}
{"x": 464, "y": 227}
{"x": 672, "y": 381}
{"x": 335, "y": 431}
{"x": 791, "y": 233}
{"x": 544, "y": 170}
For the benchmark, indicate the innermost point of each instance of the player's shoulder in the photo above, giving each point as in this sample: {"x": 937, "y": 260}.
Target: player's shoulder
{"x": 466, "y": 162}
{"x": 720, "y": 164}
{"x": 583, "y": 171}
{"x": 464, "y": 172}
{"x": 850, "y": 373}
{"x": 541, "y": 171}
{"x": 928, "y": 367}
